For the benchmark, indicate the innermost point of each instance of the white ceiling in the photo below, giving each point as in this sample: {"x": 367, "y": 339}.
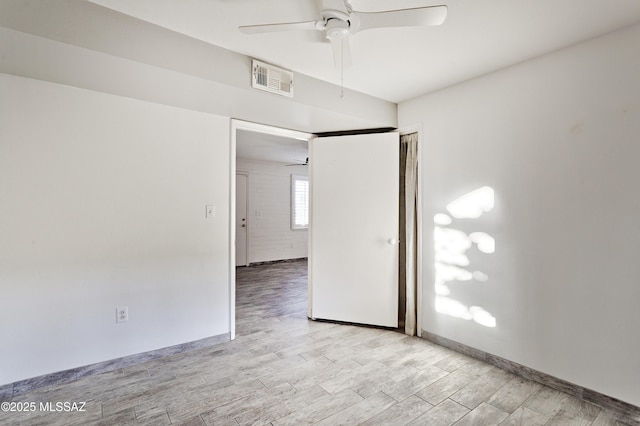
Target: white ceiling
{"x": 266, "y": 147}
{"x": 399, "y": 63}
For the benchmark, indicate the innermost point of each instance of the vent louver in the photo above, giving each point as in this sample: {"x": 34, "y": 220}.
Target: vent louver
{"x": 272, "y": 79}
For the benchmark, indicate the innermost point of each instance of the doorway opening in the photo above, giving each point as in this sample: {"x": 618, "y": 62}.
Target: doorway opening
{"x": 263, "y": 159}
{"x": 252, "y": 147}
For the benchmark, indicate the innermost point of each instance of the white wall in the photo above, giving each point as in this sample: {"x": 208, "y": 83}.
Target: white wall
{"x": 557, "y": 138}
{"x": 102, "y": 204}
{"x": 270, "y": 234}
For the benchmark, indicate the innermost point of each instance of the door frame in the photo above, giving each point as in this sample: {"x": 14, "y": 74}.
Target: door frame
{"x": 236, "y": 125}
{"x": 246, "y": 174}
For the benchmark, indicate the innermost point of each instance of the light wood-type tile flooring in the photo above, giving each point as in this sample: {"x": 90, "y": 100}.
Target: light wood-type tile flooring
{"x": 284, "y": 369}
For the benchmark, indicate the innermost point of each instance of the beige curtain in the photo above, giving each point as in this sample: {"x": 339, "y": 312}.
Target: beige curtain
{"x": 408, "y": 232}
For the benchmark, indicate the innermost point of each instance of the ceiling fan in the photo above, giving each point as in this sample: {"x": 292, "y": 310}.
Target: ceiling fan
{"x": 300, "y": 163}
{"x": 338, "y": 21}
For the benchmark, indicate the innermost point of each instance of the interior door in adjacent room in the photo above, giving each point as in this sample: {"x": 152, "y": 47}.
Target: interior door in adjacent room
{"x": 241, "y": 219}
{"x": 353, "y": 270}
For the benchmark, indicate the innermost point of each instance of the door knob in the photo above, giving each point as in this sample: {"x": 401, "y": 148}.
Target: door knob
{"x": 393, "y": 241}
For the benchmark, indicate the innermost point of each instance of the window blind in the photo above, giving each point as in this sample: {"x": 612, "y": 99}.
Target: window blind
{"x": 299, "y": 202}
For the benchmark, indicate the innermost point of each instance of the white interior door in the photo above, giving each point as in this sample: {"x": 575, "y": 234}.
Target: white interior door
{"x": 353, "y": 268}
{"x": 241, "y": 219}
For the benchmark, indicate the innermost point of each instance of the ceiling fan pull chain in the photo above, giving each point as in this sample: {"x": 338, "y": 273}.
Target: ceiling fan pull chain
{"x": 342, "y": 70}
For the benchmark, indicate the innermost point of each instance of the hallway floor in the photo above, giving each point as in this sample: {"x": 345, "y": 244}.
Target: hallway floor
{"x": 284, "y": 369}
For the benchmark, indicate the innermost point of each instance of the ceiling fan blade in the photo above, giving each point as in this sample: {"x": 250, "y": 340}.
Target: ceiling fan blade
{"x": 270, "y": 28}
{"x": 416, "y": 17}
{"x": 341, "y": 52}
{"x": 300, "y": 163}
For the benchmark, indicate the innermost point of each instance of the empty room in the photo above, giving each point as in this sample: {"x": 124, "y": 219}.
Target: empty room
{"x": 319, "y": 212}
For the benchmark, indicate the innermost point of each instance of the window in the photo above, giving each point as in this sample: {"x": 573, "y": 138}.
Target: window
{"x": 299, "y": 202}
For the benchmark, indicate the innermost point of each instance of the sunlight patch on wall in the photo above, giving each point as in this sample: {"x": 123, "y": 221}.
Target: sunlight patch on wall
{"x": 451, "y": 246}
{"x": 473, "y": 204}
{"x": 451, "y": 260}
{"x": 482, "y": 317}
{"x": 480, "y": 276}
{"x": 442, "y": 219}
{"x": 453, "y": 308}
{"x": 485, "y": 242}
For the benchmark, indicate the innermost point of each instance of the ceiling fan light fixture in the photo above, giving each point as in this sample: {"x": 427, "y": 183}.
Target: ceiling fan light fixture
{"x": 337, "y": 29}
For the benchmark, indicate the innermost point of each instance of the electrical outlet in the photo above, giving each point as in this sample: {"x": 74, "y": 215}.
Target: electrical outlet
{"x": 122, "y": 314}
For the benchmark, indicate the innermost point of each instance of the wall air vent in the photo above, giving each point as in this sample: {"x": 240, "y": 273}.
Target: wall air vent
{"x": 272, "y": 79}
